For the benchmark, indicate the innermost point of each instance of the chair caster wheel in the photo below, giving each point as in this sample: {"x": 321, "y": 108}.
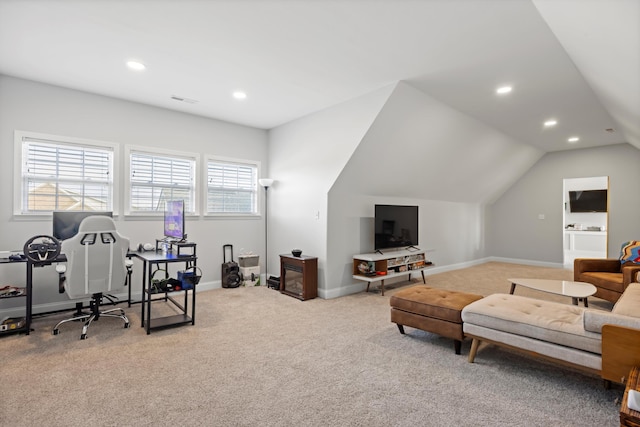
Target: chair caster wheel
{"x": 55, "y": 332}
{"x": 127, "y": 325}
{"x": 83, "y": 336}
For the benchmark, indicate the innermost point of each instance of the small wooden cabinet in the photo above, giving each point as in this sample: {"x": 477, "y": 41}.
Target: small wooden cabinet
{"x": 299, "y": 276}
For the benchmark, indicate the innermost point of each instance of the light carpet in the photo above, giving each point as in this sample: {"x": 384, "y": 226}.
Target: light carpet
{"x": 256, "y": 357}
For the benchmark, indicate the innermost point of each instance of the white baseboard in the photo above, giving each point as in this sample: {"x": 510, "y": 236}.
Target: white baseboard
{"x": 359, "y": 287}
{"x": 530, "y": 262}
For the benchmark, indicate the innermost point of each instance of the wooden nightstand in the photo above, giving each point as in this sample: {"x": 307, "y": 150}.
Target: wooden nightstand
{"x": 629, "y": 417}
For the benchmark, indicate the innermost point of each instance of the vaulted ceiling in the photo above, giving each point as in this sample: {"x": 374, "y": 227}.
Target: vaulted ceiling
{"x": 574, "y": 61}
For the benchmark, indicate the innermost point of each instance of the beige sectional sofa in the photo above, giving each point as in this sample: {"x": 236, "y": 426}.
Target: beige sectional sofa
{"x": 564, "y": 333}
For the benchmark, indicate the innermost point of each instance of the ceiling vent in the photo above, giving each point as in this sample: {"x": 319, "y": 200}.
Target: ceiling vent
{"x": 182, "y": 99}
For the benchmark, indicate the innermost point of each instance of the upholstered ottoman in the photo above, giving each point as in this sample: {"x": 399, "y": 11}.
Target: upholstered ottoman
{"x": 432, "y": 310}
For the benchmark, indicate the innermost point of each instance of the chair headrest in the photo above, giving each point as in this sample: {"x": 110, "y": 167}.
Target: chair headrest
{"x": 97, "y": 223}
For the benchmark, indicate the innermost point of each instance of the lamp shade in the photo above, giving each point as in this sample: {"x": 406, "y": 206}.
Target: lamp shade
{"x": 265, "y": 182}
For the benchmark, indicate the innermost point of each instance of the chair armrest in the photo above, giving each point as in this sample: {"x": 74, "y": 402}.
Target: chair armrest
{"x": 581, "y": 265}
{"x": 620, "y": 352}
{"x": 630, "y": 273}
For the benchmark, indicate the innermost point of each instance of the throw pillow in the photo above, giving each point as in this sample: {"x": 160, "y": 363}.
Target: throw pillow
{"x": 630, "y": 252}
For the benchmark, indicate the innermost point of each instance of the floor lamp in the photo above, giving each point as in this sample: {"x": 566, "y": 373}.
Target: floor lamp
{"x": 266, "y": 183}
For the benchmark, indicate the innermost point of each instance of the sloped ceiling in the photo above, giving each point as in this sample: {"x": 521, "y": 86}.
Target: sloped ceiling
{"x": 418, "y": 147}
{"x": 572, "y": 60}
{"x": 603, "y": 41}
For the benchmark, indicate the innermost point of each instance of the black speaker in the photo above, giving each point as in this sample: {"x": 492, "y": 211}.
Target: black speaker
{"x": 230, "y": 270}
{"x": 230, "y": 275}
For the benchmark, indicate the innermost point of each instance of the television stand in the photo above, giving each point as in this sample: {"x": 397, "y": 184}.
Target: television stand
{"x": 378, "y": 267}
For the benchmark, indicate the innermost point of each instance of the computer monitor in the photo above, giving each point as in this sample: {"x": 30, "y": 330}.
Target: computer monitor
{"x": 66, "y": 223}
{"x": 174, "y": 219}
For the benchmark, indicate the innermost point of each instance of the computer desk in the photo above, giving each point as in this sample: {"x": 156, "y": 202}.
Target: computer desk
{"x": 29, "y": 287}
{"x": 155, "y": 260}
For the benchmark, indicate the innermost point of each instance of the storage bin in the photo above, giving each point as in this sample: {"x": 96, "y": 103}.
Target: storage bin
{"x": 248, "y": 260}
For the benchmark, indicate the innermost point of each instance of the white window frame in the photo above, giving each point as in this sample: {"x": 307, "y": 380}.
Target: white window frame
{"x": 19, "y": 210}
{"x": 205, "y": 188}
{"x": 194, "y": 158}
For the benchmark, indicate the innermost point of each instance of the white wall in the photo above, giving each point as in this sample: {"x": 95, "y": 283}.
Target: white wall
{"x": 305, "y": 158}
{"x": 359, "y": 153}
{"x": 36, "y": 107}
{"x": 514, "y": 228}
{"x": 453, "y": 233}
{"x": 421, "y": 152}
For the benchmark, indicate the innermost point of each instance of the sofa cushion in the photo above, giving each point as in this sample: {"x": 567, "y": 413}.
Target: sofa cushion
{"x": 630, "y": 252}
{"x": 595, "y": 319}
{"x": 542, "y": 320}
{"x": 629, "y": 302}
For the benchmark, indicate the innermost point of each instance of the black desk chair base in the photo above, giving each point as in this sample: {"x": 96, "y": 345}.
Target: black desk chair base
{"x": 96, "y": 314}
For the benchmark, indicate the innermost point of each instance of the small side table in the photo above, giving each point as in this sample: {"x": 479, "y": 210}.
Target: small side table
{"x": 629, "y": 417}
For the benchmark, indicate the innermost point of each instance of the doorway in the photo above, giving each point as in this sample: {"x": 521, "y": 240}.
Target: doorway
{"x": 585, "y": 218}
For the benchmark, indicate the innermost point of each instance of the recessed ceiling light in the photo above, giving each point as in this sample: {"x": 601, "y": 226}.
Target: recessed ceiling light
{"x": 504, "y": 90}
{"x": 550, "y": 123}
{"x": 135, "y": 65}
{"x": 573, "y": 139}
{"x": 239, "y": 95}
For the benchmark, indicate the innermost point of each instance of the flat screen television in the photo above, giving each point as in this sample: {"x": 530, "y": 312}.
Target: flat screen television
{"x": 66, "y": 223}
{"x": 588, "y": 201}
{"x": 174, "y": 219}
{"x": 395, "y": 226}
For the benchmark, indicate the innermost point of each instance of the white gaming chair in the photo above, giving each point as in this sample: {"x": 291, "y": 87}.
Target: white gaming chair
{"x": 96, "y": 265}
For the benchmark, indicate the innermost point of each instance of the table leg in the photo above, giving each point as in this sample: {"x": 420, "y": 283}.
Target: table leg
{"x": 586, "y": 303}
{"x": 513, "y": 288}
{"x": 574, "y": 301}
{"x": 144, "y": 286}
{"x": 423, "y": 279}
{"x": 148, "y": 313}
{"x": 382, "y": 287}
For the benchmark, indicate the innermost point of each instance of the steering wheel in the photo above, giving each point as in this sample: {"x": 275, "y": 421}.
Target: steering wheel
{"x": 41, "y": 248}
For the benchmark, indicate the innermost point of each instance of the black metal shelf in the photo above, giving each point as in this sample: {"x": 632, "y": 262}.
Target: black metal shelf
{"x": 158, "y": 260}
{"x": 169, "y": 321}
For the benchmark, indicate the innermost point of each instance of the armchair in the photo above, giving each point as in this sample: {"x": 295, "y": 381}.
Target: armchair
{"x": 96, "y": 265}
{"x": 610, "y": 276}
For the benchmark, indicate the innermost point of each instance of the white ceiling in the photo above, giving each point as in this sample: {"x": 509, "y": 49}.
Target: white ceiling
{"x": 577, "y": 61}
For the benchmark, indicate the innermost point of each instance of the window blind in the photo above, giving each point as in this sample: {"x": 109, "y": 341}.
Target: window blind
{"x": 59, "y": 176}
{"x": 156, "y": 179}
{"x": 231, "y": 188}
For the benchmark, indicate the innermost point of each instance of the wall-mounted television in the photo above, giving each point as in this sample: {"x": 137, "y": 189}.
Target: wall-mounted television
{"x": 174, "y": 219}
{"x": 66, "y": 223}
{"x": 588, "y": 201}
{"x": 395, "y": 226}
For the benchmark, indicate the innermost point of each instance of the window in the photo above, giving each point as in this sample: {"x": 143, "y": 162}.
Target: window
{"x": 232, "y": 187}
{"x": 158, "y": 176}
{"x": 62, "y": 173}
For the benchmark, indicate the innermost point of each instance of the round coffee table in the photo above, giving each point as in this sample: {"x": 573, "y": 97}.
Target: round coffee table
{"x": 575, "y": 290}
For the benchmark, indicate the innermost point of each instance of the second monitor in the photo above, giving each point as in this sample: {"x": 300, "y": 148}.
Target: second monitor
{"x": 174, "y": 220}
